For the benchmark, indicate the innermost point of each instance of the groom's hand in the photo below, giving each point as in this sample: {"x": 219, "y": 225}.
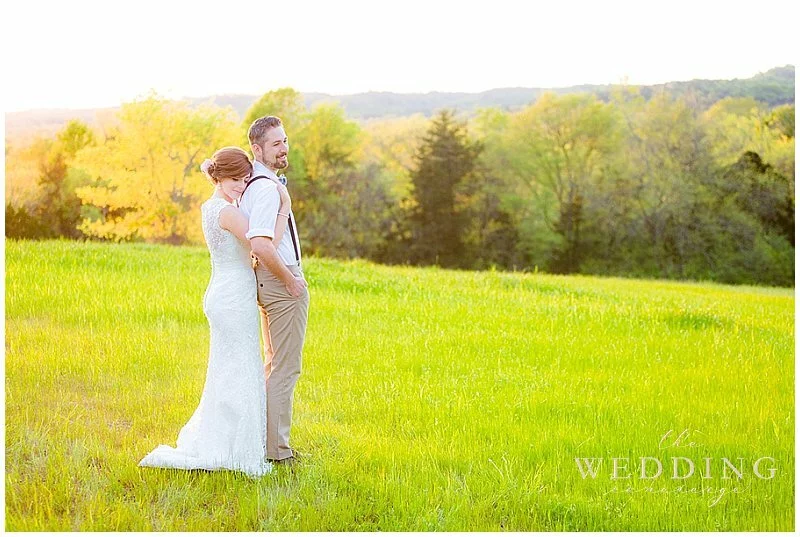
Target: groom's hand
{"x": 296, "y": 286}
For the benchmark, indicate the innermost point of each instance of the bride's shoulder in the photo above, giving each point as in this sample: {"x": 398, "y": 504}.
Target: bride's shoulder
{"x": 212, "y": 208}
{"x": 214, "y": 202}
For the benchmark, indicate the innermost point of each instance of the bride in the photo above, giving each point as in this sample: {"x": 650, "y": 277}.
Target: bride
{"x": 228, "y": 428}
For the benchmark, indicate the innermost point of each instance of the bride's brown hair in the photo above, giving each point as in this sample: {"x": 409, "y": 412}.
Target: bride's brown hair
{"x": 228, "y": 163}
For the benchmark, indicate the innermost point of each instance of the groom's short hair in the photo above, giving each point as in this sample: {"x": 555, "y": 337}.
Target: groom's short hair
{"x": 258, "y": 129}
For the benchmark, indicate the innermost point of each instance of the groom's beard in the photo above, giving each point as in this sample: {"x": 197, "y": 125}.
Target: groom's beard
{"x": 280, "y": 163}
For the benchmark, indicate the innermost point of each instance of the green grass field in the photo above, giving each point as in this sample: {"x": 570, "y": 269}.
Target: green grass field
{"x": 429, "y": 399}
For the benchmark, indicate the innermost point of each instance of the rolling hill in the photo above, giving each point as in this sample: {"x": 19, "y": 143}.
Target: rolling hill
{"x": 774, "y": 87}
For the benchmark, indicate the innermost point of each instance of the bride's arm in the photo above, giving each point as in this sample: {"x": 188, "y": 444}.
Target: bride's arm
{"x": 233, "y": 220}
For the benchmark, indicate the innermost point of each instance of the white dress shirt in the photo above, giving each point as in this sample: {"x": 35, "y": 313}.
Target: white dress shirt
{"x": 260, "y": 204}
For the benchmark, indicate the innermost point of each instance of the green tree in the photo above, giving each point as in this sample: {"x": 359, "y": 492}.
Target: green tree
{"x": 445, "y": 161}
{"x": 763, "y": 192}
{"x": 736, "y": 126}
{"x": 782, "y": 119}
{"x": 349, "y": 218}
{"x": 390, "y": 147}
{"x": 287, "y": 104}
{"x": 664, "y": 165}
{"x": 492, "y": 234}
{"x": 556, "y": 151}
{"x": 75, "y": 136}
{"x": 55, "y": 209}
{"x": 60, "y": 203}
{"x": 337, "y": 194}
{"x": 339, "y": 199}
{"x": 679, "y": 214}
{"x": 21, "y": 224}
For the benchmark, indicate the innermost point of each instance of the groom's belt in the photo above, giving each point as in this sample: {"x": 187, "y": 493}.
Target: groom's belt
{"x": 254, "y": 263}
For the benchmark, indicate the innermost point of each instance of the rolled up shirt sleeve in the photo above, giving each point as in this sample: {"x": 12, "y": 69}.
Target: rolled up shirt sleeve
{"x": 264, "y": 210}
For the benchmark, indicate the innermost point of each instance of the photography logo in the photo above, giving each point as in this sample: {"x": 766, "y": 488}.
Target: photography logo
{"x": 711, "y": 477}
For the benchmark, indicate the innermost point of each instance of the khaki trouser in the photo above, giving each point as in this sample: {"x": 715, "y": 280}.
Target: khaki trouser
{"x": 283, "y": 320}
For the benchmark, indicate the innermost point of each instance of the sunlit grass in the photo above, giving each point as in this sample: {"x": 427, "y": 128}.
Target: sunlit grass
{"x": 429, "y": 399}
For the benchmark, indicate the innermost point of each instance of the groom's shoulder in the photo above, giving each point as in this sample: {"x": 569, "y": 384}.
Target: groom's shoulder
{"x": 260, "y": 187}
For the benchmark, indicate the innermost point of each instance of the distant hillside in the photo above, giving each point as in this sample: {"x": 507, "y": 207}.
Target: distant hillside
{"x": 774, "y": 87}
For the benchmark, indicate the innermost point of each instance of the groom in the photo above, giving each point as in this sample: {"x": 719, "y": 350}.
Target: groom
{"x": 282, "y": 289}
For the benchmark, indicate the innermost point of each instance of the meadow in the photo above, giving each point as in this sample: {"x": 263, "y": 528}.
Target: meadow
{"x": 429, "y": 399}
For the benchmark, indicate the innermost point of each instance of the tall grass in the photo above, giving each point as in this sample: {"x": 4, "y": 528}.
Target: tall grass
{"x": 429, "y": 399}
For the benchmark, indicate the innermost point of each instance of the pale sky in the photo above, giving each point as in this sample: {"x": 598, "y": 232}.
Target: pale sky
{"x": 82, "y": 54}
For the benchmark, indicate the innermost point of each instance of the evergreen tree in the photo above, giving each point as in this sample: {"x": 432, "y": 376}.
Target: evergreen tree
{"x": 445, "y": 161}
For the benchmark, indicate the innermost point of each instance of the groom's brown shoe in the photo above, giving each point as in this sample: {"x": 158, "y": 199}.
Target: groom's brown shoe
{"x": 290, "y": 461}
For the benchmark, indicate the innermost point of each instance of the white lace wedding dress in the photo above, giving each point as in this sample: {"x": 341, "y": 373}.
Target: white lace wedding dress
{"x": 228, "y": 429}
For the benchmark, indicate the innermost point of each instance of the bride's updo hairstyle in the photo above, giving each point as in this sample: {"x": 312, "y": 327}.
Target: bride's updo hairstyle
{"x": 227, "y": 163}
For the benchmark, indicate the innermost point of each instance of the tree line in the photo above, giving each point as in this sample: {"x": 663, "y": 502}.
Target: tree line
{"x": 632, "y": 185}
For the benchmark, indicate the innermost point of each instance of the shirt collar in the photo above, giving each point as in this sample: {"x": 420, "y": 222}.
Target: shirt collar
{"x": 260, "y": 169}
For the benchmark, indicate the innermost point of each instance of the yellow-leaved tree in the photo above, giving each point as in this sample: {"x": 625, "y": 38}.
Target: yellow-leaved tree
{"x": 145, "y": 180}
{"x": 737, "y": 125}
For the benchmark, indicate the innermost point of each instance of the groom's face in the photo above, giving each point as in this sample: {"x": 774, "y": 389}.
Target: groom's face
{"x": 275, "y": 149}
